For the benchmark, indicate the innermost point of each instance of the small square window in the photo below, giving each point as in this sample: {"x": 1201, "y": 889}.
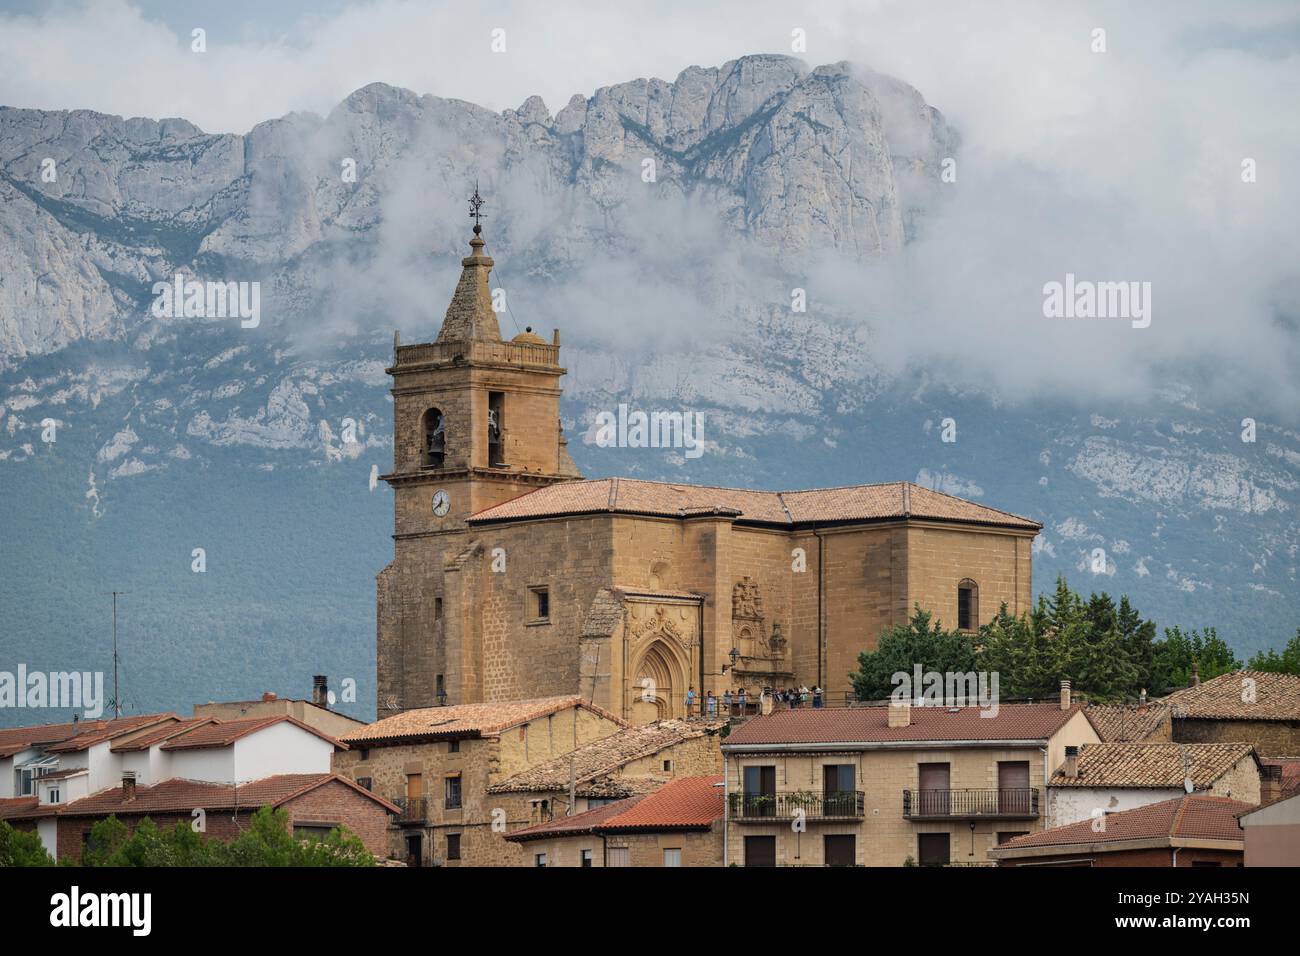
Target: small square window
{"x": 586, "y": 858}
{"x": 668, "y": 766}
{"x": 365, "y": 783}
{"x": 539, "y": 859}
{"x": 539, "y": 604}
{"x": 453, "y": 746}
{"x": 453, "y": 846}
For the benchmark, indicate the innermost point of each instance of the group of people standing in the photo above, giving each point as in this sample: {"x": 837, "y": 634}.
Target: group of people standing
{"x": 736, "y": 703}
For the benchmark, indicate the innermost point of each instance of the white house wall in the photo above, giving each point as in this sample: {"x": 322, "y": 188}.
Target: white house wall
{"x": 1072, "y": 804}
{"x": 281, "y": 748}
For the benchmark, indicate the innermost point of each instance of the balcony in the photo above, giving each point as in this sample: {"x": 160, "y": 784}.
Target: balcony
{"x": 1018, "y": 804}
{"x": 766, "y": 808}
{"x": 413, "y": 809}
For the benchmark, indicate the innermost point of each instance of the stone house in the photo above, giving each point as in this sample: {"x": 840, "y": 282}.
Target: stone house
{"x": 892, "y": 786}
{"x": 1190, "y": 830}
{"x": 635, "y": 760}
{"x": 438, "y": 764}
{"x": 1254, "y": 707}
{"x": 513, "y": 578}
{"x": 1107, "y": 777}
{"x": 680, "y": 824}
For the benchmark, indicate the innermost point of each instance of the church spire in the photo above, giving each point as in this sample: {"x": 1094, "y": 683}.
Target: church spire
{"x": 470, "y": 314}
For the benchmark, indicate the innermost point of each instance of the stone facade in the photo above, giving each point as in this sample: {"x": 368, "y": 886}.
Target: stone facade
{"x": 481, "y": 820}
{"x": 1270, "y": 738}
{"x": 629, "y": 608}
{"x": 882, "y": 835}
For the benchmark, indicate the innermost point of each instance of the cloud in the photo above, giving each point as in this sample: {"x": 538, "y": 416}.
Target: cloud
{"x": 1115, "y": 166}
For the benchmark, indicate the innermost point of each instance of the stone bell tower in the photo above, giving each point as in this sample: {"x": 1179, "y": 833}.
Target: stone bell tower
{"x": 476, "y": 422}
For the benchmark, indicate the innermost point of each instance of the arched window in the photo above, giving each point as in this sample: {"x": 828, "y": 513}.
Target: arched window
{"x": 434, "y": 433}
{"x": 968, "y": 605}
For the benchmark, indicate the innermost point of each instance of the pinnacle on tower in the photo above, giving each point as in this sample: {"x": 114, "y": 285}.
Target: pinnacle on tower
{"x": 470, "y": 314}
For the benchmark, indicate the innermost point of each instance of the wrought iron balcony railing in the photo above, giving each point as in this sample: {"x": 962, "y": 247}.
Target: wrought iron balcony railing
{"x": 840, "y": 805}
{"x": 1019, "y": 803}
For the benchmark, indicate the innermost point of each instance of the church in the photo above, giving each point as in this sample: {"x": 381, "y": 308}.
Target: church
{"x": 513, "y": 577}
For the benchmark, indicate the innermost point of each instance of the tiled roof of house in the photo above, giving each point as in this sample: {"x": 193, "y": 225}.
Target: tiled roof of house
{"x": 1240, "y": 695}
{"x": 1189, "y": 817}
{"x": 15, "y": 808}
{"x": 847, "y": 725}
{"x": 159, "y": 734}
{"x": 1290, "y": 771}
{"x": 899, "y": 499}
{"x": 103, "y": 730}
{"x": 684, "y": 803}
{"x": 182, "y": 796}
{"x": 687, "y": 803}
{"x": 466, "y": 720}
{"x": 1161, "y": 765}
{"x": 223, "y": 733}
{"x": 1119, "y": 723}
{"x": 595, "y": 763}
{"x": 14, "y": 739}
{"x": 575, "y": 825}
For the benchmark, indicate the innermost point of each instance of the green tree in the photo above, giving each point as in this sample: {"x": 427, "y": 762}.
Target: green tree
{"x": 922, "y": 640}
{"x": 1288, "y": 662}
{"x": 1019, "y": 651}
{"x": 20, "y": 848}
{"x": 1180, "y": 649}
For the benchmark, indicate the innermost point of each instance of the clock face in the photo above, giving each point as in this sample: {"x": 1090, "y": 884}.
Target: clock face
{"x": 440, "y": 503}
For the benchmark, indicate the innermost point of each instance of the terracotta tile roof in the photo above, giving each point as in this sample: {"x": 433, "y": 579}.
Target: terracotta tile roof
{"x": 594, "y": 763}
{"x": 1121, "y": 722}
{"x": 1290, "y": 767}
{"x": 899, "y": 499}
{"x": 103, "y": 730}
{"x": 1270, "y": 697}
{"x": 575, "y": 825}
{"x": 158, "y": 734}
{"x": 1189, "y": 817}
{"x": 466, "y": 720}
{"x": 15, "y": 739}
{"x": 181, "y": 796}
{"x": 64, "y": 774}
{"x": 1160, "y": 765}
{"x": 684, "y": 803}
{"x": 17, "y": 808}
{"x": 848, "y": 725}
{"x": 223, "y": 733}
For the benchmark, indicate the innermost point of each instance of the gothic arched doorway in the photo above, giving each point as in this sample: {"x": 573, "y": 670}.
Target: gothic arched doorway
{"x": 658, "y": 686}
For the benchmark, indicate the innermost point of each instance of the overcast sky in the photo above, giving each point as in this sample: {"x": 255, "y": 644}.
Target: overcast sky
{"x": 1125, "y": 163}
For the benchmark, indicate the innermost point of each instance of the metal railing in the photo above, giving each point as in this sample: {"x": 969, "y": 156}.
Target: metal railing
{"x": 950, "y": 804}
{"x": 840, "y": 805}
{"x": 413, "y": 809}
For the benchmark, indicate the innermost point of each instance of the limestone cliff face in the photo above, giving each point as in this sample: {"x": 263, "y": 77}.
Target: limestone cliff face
{"x": 789, "y": 157}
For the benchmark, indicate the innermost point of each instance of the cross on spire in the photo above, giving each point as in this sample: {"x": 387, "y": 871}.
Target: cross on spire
{"x": 475, "y": 202}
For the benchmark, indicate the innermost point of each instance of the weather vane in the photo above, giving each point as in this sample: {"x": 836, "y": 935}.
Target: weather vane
{"x": 475, "y": 202}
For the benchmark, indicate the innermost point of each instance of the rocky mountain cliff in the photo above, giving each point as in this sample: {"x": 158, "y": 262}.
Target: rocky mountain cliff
{"x": 662, "y": 226}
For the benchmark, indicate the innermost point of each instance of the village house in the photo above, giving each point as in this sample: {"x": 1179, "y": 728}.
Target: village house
{"x": 315, "y": 803}
{"x": 679, "y": 824}
{"x": 315, "y": 712}
{"x": 1254, "y": 707}
{"x": 513, "y": 578}
{"x": 1107, "y": 777}
{"x": 1272, "y": 832}
{"x": 635, "y": 760}
{"x": 68, "y": 779}
{"x": 892, "y": 786}
{"x": 438, "y": 764}
{"x": 1190, "y": 830}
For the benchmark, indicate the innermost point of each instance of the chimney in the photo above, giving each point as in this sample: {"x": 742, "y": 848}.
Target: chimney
{"x": 128, "y": 787}
{"x": 1071, "y": 766}
{"x": 900, "y": 713}
{"x": 1065, "y": 695}
{"x": 267, "y": 697}
{"x": 1270, "y": 782}
{"x": 320, "y": 692}
{"x": 1142, "y": 698}
{"x": 1196, "y": 674}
